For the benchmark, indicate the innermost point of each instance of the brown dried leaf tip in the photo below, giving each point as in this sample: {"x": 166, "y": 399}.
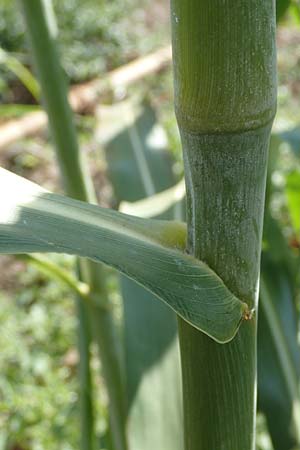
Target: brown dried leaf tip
{"x": 248, "y": 314}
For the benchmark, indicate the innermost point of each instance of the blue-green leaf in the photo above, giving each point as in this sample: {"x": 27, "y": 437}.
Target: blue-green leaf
{"x": 149, "y": 251}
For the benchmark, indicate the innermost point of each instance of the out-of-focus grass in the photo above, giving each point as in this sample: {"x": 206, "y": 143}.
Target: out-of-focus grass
{"x": 263, "y": 441}
{"x": 38, "y": 386}
{"x": 38, "y": 360}
{"x": 288, "y": 52}
{"x": 94, "y": 35}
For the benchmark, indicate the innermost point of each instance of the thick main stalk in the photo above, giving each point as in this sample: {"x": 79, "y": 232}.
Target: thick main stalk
{"x": 225, "y": 96}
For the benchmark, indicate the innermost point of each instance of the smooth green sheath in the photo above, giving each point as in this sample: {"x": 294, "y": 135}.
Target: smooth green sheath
{"x": 225, "y": 97}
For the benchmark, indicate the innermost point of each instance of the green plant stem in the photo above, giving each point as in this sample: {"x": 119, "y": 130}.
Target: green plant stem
{"x": 86, "y": 402}
{"x": 53, "y": 270}
{"x": 219, "y": 381}
{"x": 42, "y": 31}
{"x": 225, "y": 96}
{"x": 42, "y": 34}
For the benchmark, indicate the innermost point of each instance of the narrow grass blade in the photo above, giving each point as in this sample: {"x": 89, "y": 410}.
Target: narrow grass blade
{"x": 21, "y": 72}
{"x": 149, "y": 251}
{"x": 53, "y": 270}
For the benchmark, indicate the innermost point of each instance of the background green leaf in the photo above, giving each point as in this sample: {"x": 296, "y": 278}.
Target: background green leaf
{"x": 281, "y": 8}
{"x": 150, "y": 328}
{"x": 278, "y": 347}
{"x": 278, "y": 357}
{"x": 293, "y": 198}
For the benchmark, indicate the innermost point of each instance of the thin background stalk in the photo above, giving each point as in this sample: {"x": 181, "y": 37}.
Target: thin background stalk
{"x": 85, "y": 380}
{"x": 225, "y": 98}
{"x": 42, "y": 32}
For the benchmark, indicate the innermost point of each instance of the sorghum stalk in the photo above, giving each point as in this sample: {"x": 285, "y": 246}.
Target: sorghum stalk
{"x": 225, "y": 99}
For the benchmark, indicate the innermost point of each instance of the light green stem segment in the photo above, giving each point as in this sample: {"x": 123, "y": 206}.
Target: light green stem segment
{"x": 225, "y": 98}
{"x": 42, "y": 33}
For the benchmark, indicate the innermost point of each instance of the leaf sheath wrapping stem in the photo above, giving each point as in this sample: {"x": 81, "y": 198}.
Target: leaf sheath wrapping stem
{"x": 225, "y": 177}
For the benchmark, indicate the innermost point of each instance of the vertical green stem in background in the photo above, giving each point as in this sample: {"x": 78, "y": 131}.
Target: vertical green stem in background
{"x": 86, "y": 401}
{"x": 42, "y": 31}
{"x": 225, "y": 98}
{"x": 41, "y": 25}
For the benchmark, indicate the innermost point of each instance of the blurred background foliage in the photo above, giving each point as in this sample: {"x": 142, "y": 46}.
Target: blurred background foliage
{"x": 38, "y": 358}
{"x": 94, "y": 36}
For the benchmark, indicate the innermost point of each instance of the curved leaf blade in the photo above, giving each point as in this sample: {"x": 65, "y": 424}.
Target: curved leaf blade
{"x": 148, "y": 251}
